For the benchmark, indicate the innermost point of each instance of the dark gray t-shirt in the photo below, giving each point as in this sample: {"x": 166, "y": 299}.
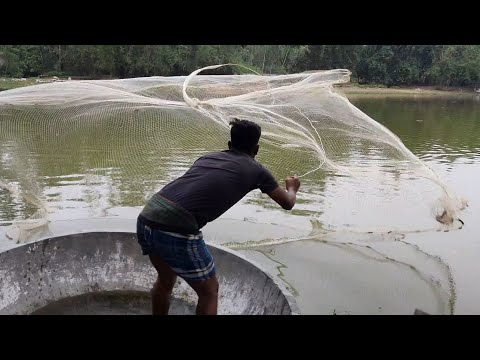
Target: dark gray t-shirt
{"x": 216, "y": 182}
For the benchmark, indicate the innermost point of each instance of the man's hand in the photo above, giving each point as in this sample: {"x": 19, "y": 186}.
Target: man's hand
{"x": 286, "y": 198}
{"x": 292, "y": 182}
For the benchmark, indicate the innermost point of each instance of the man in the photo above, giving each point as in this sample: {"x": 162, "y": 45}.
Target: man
{"x": 168, "y": 228}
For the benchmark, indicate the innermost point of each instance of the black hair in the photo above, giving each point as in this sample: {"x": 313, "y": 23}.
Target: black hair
{"x": 244, "y": 135}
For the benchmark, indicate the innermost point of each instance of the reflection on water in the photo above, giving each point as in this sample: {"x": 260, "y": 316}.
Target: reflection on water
{"x": 429, "y": 126}
{"x": 94, "y": 167}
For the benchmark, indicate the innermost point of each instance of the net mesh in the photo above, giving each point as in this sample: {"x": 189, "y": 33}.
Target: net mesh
{"x": 99, "y": 149}
{"x": 124, "y": 138}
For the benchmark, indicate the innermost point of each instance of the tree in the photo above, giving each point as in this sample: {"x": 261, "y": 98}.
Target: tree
{"x": 451, "y": 65}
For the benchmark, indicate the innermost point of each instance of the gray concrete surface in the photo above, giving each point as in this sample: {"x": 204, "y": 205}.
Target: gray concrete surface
{"x": 105, "y": 273}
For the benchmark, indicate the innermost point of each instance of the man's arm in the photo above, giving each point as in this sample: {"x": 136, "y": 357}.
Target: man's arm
{"x": 286, "y": 198}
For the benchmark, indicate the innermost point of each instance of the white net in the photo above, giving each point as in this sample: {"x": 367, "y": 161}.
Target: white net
{"x": 119, "y": 129}
{"x": 88, "y": 149}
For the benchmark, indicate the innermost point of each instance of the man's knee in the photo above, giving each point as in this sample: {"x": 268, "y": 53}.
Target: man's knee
{"x": 213, "y": 289}
{"x": 207, "y": 288}
{"x": 164, "y": 286}
{"x": 169, "y": 284}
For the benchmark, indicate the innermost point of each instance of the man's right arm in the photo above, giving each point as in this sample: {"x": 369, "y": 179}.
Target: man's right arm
{"x": 286, "y": 198}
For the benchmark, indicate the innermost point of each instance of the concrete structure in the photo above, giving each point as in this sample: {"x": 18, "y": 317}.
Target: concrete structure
{"x": 105, "y": 273}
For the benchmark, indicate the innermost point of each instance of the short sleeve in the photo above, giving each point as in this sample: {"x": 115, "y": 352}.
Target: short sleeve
{"x": 266, "y": 181}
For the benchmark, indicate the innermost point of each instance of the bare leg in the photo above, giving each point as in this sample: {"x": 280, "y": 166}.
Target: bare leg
{"x": 207, "y": 291}
{"x": 162, "y": 289}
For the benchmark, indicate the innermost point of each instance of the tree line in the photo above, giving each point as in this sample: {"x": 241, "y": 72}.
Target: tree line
{"x": 390, "y": 65}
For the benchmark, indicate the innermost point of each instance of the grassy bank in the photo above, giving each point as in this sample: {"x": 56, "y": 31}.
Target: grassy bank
{"x": 347, "y": 89}
{"x": 355, "y": 89}
{"x": 7, "y": 84}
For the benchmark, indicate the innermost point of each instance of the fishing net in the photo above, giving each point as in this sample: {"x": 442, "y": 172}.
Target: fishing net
{"x": 88, "y": 149}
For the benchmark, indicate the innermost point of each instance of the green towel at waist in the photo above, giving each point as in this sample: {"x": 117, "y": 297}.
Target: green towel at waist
{"x": 164, "y": 214}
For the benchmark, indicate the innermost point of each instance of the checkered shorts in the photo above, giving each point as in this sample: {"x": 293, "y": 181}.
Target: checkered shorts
{"x": 187, "y": 255}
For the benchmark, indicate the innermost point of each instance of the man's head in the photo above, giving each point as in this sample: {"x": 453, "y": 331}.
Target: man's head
{"x": 244, "y": 136}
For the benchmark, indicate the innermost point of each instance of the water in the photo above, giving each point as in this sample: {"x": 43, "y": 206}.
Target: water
{"x": 443, "y": 132}
{"x": 345, "y": 248}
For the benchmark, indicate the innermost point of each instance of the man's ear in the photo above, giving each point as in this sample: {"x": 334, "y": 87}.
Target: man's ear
{"x": 256, "y": 150}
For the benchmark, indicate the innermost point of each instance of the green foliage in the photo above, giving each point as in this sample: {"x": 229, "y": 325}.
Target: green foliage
{"x": 442, "y": 65}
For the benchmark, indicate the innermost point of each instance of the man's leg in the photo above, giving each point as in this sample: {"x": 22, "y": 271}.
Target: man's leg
{"x": 162, "y": 290}
{"x": 207, "y": 291}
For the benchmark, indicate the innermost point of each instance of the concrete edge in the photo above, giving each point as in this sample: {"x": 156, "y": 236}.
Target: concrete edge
{"x": 289, "y": 297}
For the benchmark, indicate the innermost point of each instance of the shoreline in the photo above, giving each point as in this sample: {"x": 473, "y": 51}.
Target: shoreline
{"x": 347, "y": 89}
{"x": 354, "y": 89}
